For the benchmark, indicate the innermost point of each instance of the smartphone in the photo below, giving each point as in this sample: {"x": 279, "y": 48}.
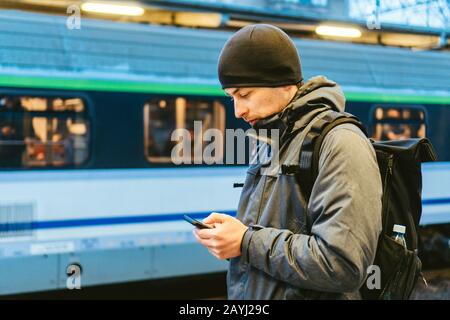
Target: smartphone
{"x": 196, "y": 223}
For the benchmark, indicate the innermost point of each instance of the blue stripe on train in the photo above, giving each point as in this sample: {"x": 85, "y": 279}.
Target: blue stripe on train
{"x": 52, "y": 224}
{"x": 436, "y": 201}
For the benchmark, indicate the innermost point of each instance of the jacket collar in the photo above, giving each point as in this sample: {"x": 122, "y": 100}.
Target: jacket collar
{"x": 296, "y": 109}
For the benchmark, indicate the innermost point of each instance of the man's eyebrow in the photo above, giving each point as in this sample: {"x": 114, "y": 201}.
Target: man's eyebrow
{"x": 234, "y": 92}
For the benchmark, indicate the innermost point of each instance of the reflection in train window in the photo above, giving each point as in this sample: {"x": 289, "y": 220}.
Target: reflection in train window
{"x": 163, "y": 116}
{"x": 42, "y": 131}
{"x": 398, "y": 123}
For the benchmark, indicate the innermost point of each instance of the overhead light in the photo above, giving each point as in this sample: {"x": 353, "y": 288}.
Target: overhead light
{"x": 335, "y": 31}
{"x": 109, "y": 8}
{"x": 199, "y": 19}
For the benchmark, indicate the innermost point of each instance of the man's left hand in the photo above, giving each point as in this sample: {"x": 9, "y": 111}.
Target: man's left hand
{"x": 224, "y": 241}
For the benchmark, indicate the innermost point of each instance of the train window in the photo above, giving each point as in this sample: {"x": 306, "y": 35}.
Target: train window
{"x": 163, "y": 116}
{"x": 397, "y": 123}
{"x": 40, "y": 131}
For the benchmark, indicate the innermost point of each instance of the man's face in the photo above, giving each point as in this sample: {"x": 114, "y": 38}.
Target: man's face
{"x": 256, "y": 103}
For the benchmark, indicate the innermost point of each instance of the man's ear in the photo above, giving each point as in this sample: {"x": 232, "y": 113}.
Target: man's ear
{"x": 289, "y": 87}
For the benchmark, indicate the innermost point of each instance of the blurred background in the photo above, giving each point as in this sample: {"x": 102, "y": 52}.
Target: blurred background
{"x": 90, "y": 92}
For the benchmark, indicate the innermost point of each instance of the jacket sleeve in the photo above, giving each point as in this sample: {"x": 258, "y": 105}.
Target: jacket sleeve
{"x": 345, "y": 207}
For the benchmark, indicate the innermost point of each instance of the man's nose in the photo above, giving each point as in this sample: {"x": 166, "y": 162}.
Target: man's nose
{"x": 239, "y": 110}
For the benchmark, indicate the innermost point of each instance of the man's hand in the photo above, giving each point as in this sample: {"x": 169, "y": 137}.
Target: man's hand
{"x": 224, "y": 241}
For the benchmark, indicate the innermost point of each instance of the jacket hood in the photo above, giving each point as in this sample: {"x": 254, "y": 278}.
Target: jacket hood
{"x": 318, "y": 87}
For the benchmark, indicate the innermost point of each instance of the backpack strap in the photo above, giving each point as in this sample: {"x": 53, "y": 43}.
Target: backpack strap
{"x": 310, "y": 150}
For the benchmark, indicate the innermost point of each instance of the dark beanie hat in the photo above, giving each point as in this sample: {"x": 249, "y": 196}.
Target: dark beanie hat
{"x": 259, "y": 55}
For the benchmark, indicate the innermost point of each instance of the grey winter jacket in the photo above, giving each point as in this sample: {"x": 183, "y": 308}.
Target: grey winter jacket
{"x": 322, "y": 249}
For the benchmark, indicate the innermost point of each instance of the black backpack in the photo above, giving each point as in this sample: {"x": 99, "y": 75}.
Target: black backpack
{"x": 399, "y": 162}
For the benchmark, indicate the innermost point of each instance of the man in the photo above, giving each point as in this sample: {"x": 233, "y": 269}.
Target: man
{"x": 278, "y": 247}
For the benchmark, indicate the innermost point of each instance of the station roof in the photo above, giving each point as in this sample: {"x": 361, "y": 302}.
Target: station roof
{"x": 41, "y": 46}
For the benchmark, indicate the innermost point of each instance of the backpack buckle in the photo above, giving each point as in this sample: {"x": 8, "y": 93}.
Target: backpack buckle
{"x": 290, "y": 169}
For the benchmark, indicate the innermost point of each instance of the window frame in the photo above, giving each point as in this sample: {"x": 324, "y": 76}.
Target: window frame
{"x": 166, "y": 161}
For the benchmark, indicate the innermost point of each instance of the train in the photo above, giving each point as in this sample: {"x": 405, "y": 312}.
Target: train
{"x": 85, "y": 119}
